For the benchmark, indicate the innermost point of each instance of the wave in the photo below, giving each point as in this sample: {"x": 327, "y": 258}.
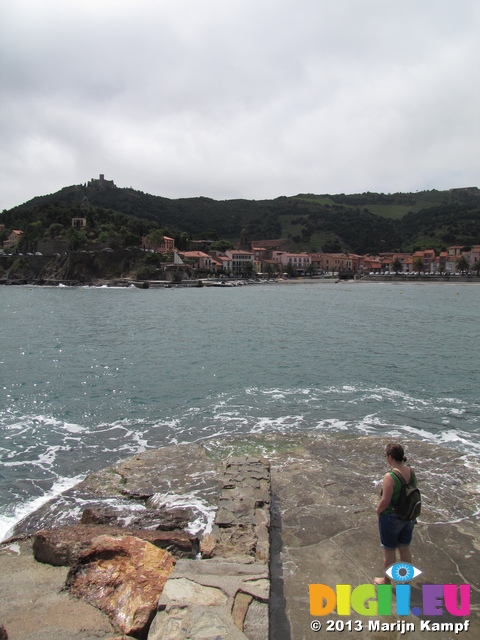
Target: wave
{"x": 7, "y": 522}
{"x": 42, "y": 454}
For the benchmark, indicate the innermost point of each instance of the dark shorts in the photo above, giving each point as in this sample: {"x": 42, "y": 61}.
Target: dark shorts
{"x": 395, "y": 532}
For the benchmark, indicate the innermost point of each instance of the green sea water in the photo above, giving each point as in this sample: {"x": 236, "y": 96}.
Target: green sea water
{"x": 91, "y": 375}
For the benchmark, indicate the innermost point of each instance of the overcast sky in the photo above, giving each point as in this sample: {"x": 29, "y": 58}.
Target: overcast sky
{"x": 239, "y": 98}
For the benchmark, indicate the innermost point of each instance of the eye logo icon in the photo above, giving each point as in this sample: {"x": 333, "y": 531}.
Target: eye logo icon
{"x": 402, "y": 572}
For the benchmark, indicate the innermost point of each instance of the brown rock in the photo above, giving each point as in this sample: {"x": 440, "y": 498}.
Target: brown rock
{"x": 123, "y": 577}
{"x": 240, "y": 540}
{"x": 175, "y": 519}
{"x": 3, "y": 633}
{"x": 63, "y": 546}
{"x": 240, "y": 607}
{"x": 97, "y": 516}
{"x": 207, "y": 546}
{"x": 34, "y": 604}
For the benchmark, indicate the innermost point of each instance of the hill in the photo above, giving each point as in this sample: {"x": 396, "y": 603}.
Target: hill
{"x": 359, "y": 223}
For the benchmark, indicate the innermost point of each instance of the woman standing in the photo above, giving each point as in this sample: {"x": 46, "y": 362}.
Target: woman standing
{"x": 394, "y": 532}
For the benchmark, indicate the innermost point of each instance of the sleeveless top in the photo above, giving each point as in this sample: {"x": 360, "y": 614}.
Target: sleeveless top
{"x": 397, "y": 488}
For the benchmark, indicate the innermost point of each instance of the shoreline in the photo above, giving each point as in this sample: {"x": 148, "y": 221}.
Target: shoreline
{"x": 126, "y": 283}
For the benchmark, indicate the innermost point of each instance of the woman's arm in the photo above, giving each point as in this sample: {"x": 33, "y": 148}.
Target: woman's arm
{"x": 387, "y": 493}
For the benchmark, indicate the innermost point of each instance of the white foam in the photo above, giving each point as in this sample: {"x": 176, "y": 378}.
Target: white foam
{"x": 44, "y": 460}
{"x": 279, "y": 424}
{"x": 334, "y": 425}
{"x": 73, "y": 428}
{"x": 205, "y": 513}
{"x": 21, "y": 511}
{"x": 450, "y": 436}
{"x": 142, "y": 444}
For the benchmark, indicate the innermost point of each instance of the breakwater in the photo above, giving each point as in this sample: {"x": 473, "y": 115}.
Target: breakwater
{"x": 323, "y": 529}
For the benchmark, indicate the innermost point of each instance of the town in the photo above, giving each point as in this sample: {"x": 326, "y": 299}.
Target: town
{"x": 268, "y": 259}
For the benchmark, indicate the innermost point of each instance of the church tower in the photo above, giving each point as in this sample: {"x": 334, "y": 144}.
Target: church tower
{"x": 245, "y": 244}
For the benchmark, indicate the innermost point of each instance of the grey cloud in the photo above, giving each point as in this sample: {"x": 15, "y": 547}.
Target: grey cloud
{"x": 239, "y": 99}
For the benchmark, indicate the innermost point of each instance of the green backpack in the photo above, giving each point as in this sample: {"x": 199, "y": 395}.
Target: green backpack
{"x": 409, "y": 505}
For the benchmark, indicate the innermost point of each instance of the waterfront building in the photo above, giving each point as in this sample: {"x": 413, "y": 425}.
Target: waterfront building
{"x": 197, "y": 259}
{"x": 13, "y": 239}
{"x": 242, "y": 261}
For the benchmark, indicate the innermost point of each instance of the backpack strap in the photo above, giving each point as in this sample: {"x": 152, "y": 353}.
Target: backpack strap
{"x": 402, "y": 479}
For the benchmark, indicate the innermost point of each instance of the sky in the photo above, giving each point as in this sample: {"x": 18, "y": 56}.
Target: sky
{"x": 239, "y": 98}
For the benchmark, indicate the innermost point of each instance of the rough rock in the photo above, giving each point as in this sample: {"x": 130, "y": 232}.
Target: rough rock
{"x": 213, "y": 599}
{"x": 170, "y": 519}
{"x": 123, "y": 577}
{"x": 242, "y": 521}
{"x": 63, "y": 546}
{"x": 218, "y": 597}
{"x": 177, "y": 469}
{"x": 98, "y": 516}
{"x": 35, "y": 606}
{"x": 153, "y": 517}
{"x": 240, "y": 607}
{"x": 143, "y": 489}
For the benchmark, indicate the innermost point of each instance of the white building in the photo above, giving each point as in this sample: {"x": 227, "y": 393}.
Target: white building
{"x": 240, "y": 261}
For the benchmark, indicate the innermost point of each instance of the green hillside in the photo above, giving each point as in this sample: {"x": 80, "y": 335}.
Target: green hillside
{"x": 360, "y": 223}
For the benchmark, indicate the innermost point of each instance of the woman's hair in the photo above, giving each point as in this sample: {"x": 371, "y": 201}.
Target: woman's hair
{"x": 396, "y": 451}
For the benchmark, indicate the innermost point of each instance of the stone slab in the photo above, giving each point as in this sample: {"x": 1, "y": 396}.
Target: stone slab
{"x": 214, "y": 599}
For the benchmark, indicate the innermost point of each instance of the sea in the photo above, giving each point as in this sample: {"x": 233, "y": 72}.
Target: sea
{"x": 90, "y": 376}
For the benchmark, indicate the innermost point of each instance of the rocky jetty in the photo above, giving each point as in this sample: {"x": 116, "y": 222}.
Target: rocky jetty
{"x": 240, "y": 528}
{"x": 226, "y": 595}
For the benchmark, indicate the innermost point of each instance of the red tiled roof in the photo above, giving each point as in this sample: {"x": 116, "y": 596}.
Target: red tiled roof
{"x": 194, "y": 254}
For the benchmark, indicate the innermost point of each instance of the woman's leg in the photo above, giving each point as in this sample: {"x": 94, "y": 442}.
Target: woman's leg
{"x": 387, "y": 525}
{"x": 405, "y": 554}
{"x": 388, "y": 560}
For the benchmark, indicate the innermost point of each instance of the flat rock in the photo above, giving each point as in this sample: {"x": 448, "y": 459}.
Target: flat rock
{"x": 242, "y": 521}
{"x": 213, "y": 599}
{"x": 325, "y": 528}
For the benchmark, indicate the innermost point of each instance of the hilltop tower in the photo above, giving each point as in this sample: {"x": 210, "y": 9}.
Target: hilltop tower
{"x": 101, "y": 183}
{"x": 245, "y": 244}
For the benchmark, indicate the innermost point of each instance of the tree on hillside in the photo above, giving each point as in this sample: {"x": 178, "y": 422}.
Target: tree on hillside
{"x": 182, "y": 241}
{"x": 291, "y": 270}
{"x": 397, "y": 266}
{"x": 32, "y": 234}
{"x": 155, "y": 238}
{"x": 76, "y": 239}
{"x": 462, "y": 264}
{"x": 270, "y": 270}
{"x": 221, "y": 245}
{"x": 418, "y": 265}
{"x": 247, "y": 269}
{"x": 310, "y": 270}
{"x": 55, "y": 230}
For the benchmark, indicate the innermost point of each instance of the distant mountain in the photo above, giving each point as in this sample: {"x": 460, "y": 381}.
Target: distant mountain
{"x": 359, "y": 223}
